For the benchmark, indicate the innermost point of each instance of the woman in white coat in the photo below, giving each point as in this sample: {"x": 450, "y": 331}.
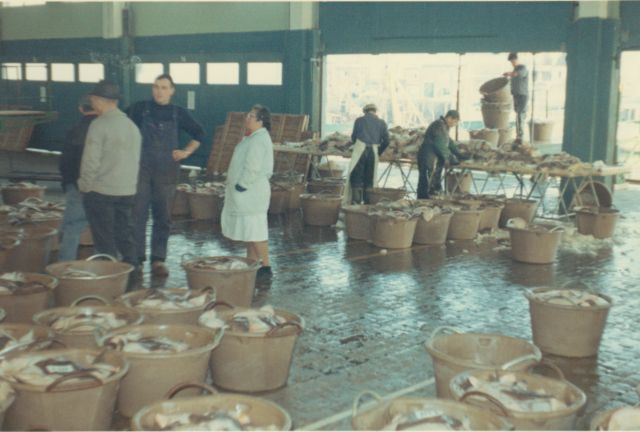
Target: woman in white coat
{"x": 244, "y": 215}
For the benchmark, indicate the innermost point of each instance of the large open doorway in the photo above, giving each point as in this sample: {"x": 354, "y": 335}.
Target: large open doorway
{"x": 628, "y": 138}
{"x": 411, "y": 90}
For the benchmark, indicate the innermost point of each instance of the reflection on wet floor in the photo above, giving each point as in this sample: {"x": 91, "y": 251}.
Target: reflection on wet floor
{"x": 368, "y": 313}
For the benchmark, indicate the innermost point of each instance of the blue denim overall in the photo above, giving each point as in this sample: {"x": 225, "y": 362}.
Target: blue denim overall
{"x": 156, "y": 183}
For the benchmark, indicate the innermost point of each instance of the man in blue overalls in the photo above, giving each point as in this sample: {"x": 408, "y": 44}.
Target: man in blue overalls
{"x": 160, "y": 123}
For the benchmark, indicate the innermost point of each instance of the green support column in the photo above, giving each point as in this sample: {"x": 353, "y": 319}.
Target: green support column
{"x": 593, "y": 73}
{"x": 591, "y": 106}
{"x": 300, "y": 54}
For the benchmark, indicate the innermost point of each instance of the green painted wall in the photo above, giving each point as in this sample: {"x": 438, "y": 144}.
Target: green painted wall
{"x": 159, "y": 19}
{"x": 51, "y": 21}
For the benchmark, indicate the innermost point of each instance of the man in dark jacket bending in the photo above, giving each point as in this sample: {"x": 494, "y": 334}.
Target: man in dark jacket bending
{"x": 437, "y": 151}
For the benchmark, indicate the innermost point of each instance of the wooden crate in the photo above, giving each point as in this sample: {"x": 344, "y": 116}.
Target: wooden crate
{"x": 284, "y": 127}
{"x": 222, "y": 150}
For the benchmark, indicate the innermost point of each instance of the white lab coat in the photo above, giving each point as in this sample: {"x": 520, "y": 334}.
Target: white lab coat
{"x": 244, "y": 215}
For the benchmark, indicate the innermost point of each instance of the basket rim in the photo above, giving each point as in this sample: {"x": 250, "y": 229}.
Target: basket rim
{"x": 38, "y": 317}
{"x": 157, "y": 407}
{"x": 53, "y": 353}
{"x": 53, "y": 268}
{"x": 300, "y": 320}
{"x": 253, "y": 265}
{"x": 531, "y": 292}
{"x": 441, "y": 355}
{"x": 207, "y": 347}
{"x": 577, "y": 404}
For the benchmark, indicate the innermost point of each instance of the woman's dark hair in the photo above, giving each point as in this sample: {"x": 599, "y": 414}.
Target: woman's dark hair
{"x": 167, "y": 77}
{"x": 264, "y": 115}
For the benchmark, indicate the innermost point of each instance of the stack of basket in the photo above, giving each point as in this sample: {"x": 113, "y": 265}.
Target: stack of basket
{"x": 496, "y": 108}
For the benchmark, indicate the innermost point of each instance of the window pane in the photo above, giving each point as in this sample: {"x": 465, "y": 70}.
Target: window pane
{"x": 36, "y": 71}
{"x": 264, "y": 74}
{"x": 185, "y": 73}
{"x": 12, "y": 71}
{"x": 146, "y": 73}
{"x": 223, "y": 73}
{"x": 63, "y": 72}
{"x": 91, "y": 72}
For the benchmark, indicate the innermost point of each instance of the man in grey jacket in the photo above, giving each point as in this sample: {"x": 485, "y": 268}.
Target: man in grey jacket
{"x": 519, "y": 90}
{"x": 109, "y": 174}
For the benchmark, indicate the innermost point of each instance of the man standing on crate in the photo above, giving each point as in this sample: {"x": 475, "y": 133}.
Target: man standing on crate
{"x": 160, "y": 123}
{"x": 370, "y": 137}
{"x": 520, "y": 92}
{"x": 438, "y": 151}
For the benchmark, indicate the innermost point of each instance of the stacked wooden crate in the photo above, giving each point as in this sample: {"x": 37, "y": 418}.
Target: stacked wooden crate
{"x": 284, "y": 127}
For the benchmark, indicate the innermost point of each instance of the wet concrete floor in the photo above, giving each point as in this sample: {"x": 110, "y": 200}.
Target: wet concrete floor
{"x": 368, "y": 314}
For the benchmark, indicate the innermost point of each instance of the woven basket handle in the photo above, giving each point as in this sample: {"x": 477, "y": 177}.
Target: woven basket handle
{"x": 78, "y": 374}
{"x": 274, "y": 331}
{"x": 578, "y": 284}
{"x": 443, "y": 330}
{"x": 503, "y": 409}
{"x": 96, "y": 256}
{"x": 358, "y": 400}
{"x": 216, "y": 303}
{"x": 183, "y": 386}
{"x": 532, "y": 358}
{"x": 186, "y": 257}
{"x": 548, "y": 365}
{"x": 82, "y": 299}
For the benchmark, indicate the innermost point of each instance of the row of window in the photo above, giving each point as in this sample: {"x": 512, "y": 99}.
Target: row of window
{"x": 227, "y": 73}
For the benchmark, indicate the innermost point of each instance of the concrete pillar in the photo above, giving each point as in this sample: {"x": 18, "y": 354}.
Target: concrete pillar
{"x": 302, "y": 62}
{"x": 593, "y": 73}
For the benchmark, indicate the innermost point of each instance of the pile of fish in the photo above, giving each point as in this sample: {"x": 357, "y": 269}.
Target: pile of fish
{"x": 405, "y": 209}
{"x": 8, "y": 342}
{"x": 219, "y": 419}
{"x": 571, "y": 297}
{"x": 403, "y": 143}
{"x": 249, "y": 321}
{"x": 627, "y": 418}
{"x": 22, "y": 185}
{"x": 209, "y": 188}
{"x": 42, "y": 369}
{"x": 70, "y": 272}
{"x": 172, "y": 300}
{"x": 6, "y": 394}
{"x": 522, "y": 156}
{"x": 86, "y": 321}
{"x": 219, "y": 263}
{"x": 18, "y": 284}
{"x": 427, "y": 418}
{"x": 31, "y": 210}
{"x": 135, "y": 342}
{"x": 515, "y": 395}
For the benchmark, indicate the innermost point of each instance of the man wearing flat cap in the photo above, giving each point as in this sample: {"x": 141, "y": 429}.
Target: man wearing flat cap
{"x": 370, "y": 137}
{"x": 109, "y": 174}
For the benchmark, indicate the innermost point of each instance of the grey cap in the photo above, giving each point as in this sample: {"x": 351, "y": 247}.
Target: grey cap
{"x": 106, "y": 89}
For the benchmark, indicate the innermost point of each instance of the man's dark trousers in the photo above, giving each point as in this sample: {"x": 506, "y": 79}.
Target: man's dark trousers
{"x": 111, "y": 224}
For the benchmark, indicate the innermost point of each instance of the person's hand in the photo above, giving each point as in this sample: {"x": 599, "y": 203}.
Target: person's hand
{"x": 179, "y": 155}
{"x": 506, "y": 74}
{"x": 240, "y": 188}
